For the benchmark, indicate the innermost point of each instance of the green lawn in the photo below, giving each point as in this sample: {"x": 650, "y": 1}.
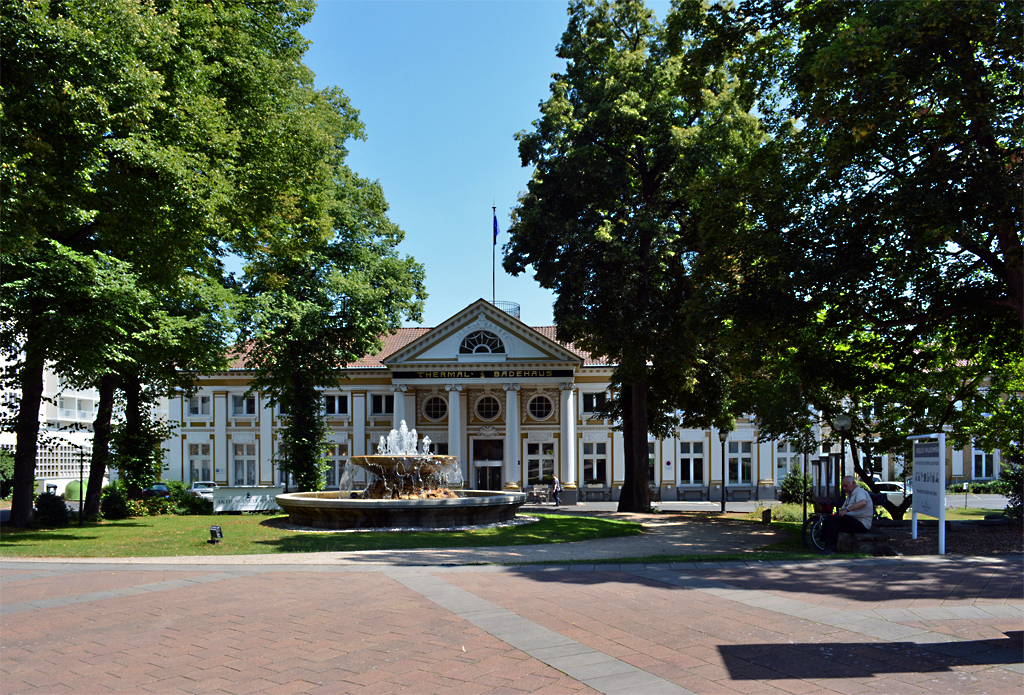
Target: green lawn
{"x": 169, "y": 536}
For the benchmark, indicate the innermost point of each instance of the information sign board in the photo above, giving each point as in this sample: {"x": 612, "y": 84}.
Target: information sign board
{"x": 929, "y": 478}
{"x": 246, "y": 499}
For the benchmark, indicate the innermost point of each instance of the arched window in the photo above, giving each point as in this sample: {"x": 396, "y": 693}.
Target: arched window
{"x": 481, "y": 342}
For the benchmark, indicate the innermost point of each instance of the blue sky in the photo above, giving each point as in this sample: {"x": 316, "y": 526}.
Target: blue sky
{"x": 443, "y": 87}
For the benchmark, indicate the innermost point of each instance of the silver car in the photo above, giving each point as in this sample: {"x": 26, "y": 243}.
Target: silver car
{"x": 204, "y": 488}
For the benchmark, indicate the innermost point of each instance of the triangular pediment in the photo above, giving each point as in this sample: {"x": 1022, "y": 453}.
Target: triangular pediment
{"x": 520, "y": 345}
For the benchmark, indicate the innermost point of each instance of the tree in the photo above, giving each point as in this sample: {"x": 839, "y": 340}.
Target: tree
{"x": 910, "y": 149}
{"x": 631, "y": 157}
{"x": 884, "y": 275}
{"x": 311, "y": 313}
{"x": 122, "y": 133}
{"x": 52, "y": 298}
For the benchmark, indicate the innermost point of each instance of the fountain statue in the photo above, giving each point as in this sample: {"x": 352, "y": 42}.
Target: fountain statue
{"x": 408, "y": 487}
{"x": 404, "y": 469}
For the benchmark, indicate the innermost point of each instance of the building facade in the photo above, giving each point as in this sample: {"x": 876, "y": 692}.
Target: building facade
{"x": 513, "y": 404}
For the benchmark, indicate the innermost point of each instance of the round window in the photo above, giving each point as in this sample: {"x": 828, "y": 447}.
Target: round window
{"x": 540, "y": 407}
{"x": 435, "y": 408}
{"x": 488, "y": 408}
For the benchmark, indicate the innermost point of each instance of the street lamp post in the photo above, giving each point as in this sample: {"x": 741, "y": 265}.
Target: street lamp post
{"x": 841, "y": 424}
{"x": 723, "y": 434}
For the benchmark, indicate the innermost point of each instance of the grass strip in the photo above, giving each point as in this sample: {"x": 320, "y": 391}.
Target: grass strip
{"x": 175, "y": 536}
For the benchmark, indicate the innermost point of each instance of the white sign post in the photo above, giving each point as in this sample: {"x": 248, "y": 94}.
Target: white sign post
{"x": 930, "y": 482}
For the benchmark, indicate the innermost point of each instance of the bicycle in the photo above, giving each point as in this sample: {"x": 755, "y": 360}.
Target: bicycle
{"x": 813, "y": 531}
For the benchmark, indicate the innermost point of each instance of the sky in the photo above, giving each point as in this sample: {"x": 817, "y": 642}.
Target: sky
{"x": 442, "y": 88}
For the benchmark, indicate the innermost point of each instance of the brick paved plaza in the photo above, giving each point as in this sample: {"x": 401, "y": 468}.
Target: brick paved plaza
{"x": 889, "y": 626}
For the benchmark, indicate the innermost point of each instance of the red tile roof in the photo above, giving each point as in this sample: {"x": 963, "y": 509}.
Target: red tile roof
{"x": 396, "y": 341}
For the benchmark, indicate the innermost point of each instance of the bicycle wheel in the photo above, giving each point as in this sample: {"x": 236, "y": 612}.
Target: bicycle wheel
{"x": 814, "y": 533}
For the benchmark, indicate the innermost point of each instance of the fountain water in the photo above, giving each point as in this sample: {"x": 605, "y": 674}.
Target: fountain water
{"x": 409, "y": 488}
{"x": 405, "y": 469}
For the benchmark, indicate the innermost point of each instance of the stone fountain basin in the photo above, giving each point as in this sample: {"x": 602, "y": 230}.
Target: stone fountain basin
{"x": 404, "y": 464}
{"x": 326, "y": 510}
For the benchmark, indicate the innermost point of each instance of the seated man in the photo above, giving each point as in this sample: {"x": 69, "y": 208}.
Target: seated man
{"x": 853, "y": 517}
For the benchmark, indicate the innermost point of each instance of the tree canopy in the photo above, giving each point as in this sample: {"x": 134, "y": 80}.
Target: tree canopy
{"x": 164, "y": 135}
{"x": 631, "y": 160}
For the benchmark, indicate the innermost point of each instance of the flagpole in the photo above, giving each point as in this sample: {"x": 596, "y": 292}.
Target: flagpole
{"x": 494, "y": 245}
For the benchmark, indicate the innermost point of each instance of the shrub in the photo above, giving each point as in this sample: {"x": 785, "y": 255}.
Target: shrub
{"x": 6, "y": 474}
{"x": 184, "y": 503}
{"x": 51, "y": 512}
{"x": 781, "y": 512}
{"x": 991, "y": 487}
{"x": 114, "y": 502}
{"x": 154, "y": 506}
{"x": 790, "y": 492}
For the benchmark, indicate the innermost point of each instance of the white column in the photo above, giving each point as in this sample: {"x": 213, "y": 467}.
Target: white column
{"x": 266, "y": 442}
{"x": 513, "y": 467}
{"x": 358, "y": 424}
{"x": 399, "y": 414}
{"x": 455, "y": 399}
{"x": 173, "y": 446}
{"x": 568, "y": 434}
{"x": 409, "y": 400}
{"x": 958, "y": 462}
{"x": 221, "y": 401}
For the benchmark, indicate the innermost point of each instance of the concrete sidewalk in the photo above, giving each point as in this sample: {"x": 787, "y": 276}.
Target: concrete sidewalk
{"x": 404, "y": 622}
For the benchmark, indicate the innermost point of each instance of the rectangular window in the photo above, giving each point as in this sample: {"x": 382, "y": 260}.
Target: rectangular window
{"x": 245, "y": 464}
{"x": 199, "y": 462}
{"x": 381, "y": 404}
{"x": 650, "y": 462}
{"x": 984, "y": 465}
{"x": 336, "y": 457}
{"x": 595, "y": 463}
{"x": 540, "y": 462}
{"x": 336, "y": 405}
{"x": 198, "y": 405}
{"x": 243, "y": 405}
{"x": 593, "y": 402}
{"x": 787, "y": 458}
{"x": 740, "y": 459}
{"x": 691, "y": 463}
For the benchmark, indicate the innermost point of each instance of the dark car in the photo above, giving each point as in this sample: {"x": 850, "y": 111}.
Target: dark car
{"x": 157, "y": 490}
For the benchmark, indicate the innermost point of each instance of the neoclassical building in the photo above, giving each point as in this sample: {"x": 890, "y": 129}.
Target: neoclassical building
{"x": 514, "y": 404}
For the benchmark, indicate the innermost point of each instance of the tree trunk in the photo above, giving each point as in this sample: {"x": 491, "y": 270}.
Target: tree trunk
{"x": 635, "y": 495}
{"x": 26, "y": 428}
{"x": 100, "y": 444}
{"x": 133, "y": 441}
{"x": 626, "y": 407}
{"x": 868, "y": 477}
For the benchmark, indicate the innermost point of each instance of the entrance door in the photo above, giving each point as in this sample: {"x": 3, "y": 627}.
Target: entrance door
{"x": 488, "y": 457}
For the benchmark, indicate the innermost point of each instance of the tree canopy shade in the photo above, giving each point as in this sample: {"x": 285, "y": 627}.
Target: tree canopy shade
{"x": 161, "y": 134}
{"x": 890, "y": 270}
{"x": 907, "y": 163}
{"x": 631, "y": 159}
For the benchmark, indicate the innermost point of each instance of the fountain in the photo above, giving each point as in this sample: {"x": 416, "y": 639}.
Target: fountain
{"x": 409, "y": 488}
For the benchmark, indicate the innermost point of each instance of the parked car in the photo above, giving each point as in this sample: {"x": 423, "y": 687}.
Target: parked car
{"x": 892, "y": 489}
{"x": 203, "y": 488}
{"x": 157, "y": 490}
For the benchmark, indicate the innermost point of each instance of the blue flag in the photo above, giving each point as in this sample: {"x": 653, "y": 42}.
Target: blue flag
{"x": 495, "y": 230}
